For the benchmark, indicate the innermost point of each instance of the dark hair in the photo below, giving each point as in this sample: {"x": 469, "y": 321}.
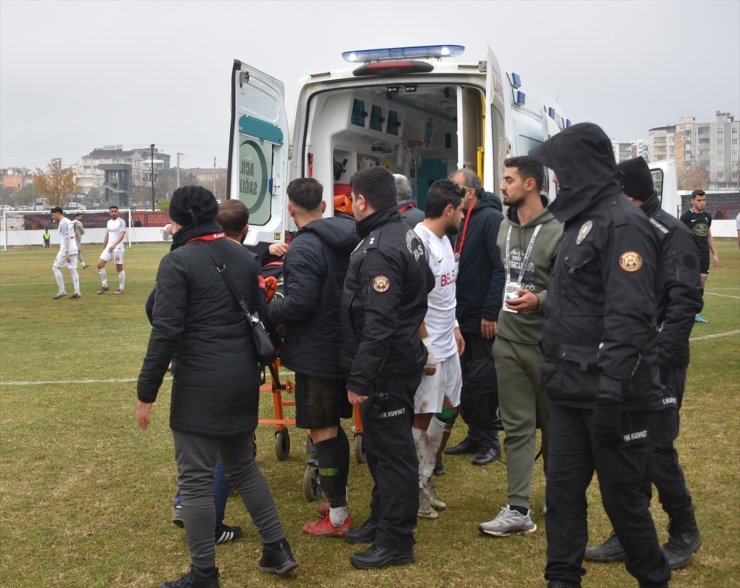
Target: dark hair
{"x": 112, "y": 207}
{"x": 696, "y": 193}
{"x": 305, "y": 193}
{"x": 57, "y": 209}
{"x": 233, "y": 216}
{"x": 377, "y": 185}
{"x": 527, "y": 168}
{"x": 440, "y": 194}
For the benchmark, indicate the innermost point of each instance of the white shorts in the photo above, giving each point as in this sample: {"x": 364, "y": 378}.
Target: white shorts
{"x": 116, "y": 256}
{"x": 446, "y": 382}
{"x": 61, "y": 261}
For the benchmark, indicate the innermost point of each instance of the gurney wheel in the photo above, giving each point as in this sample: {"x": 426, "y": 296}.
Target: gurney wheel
{"x": 359, "y": 453}
{"x": 312, "y": 483}
{"x": 282, "y": 444}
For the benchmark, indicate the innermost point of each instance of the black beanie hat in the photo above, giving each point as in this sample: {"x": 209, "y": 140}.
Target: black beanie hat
{"x": 637, "y": 181}
{"x": 193, "y": 205}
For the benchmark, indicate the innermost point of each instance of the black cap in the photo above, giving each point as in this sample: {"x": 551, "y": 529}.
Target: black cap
{"x": 57, "y": 209}
{"x": 637, "y": 181}
{"x": 193, "y": 205}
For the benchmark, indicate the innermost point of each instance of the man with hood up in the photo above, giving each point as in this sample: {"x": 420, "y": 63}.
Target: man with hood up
{"x": 315, "y": 267}
{"x": 599, "y": 358}
{"x": 215, "y": 390}
{"x": 679, "y": 302}
{"x": 528, "y": 239}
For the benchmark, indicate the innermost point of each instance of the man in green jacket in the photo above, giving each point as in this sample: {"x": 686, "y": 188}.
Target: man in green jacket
{"x": 528, "y": 239}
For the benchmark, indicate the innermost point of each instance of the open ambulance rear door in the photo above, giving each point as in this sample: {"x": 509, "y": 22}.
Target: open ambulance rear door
{"x": 258, "y": 151}
{"x": 665, "y": 184}
{"x": 496, "y": 145}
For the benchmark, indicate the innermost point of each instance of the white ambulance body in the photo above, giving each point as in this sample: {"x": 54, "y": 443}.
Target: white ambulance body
{"x": 407, "y": 109}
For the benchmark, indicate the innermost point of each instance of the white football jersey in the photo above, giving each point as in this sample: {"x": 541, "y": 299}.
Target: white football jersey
{"x": 115, "y": 228}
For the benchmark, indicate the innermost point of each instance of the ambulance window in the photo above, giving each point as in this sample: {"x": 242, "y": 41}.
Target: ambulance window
{"x": 358, "y": 112}
{"x": 526, "y": 144}
{"x": 658, "y": 182}
{"x": 376, "y": 118}
{"x": 393, "y": 124}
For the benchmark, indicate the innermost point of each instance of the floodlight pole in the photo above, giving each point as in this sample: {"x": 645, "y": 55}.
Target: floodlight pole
{"x": 152, "y": 170}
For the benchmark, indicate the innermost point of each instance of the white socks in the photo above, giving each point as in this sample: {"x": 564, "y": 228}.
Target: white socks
{"x": 103, "y": 277}
{"x": 432, "y": 442}
{"x": 59, "y": 278}
{"x": 337, "y": 516}
{"x": 121, "y": 280}
{"x": 75, "y": 279}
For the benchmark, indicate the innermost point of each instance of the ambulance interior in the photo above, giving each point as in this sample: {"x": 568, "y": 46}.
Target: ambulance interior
{"x": 422, "y": 131}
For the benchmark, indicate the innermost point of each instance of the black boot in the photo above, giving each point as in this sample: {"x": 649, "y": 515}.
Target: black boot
{"x": 365, "y": 533}
{"x": 683, "y": 540}
{"x": 490, "y": 450}
{"x": 195, "y": 578}
{"x": 468, "y": 445}
{"x": 277, "y": 558}
{"x": 610, "y": 550}
{"x": 381, "y": 557}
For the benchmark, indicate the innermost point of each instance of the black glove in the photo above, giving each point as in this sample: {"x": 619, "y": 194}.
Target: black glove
{"x": 605, "y": 422}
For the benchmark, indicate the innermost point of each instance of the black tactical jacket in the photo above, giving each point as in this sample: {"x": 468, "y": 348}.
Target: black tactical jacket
{"x": 600, "y": 323}
{"x": 384, "y": 302}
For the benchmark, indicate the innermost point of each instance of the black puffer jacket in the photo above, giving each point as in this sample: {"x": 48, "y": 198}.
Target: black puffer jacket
{"x": 600, "y": 323}
{"x": 215, "y": 390}
{"x": 384, "y": 302}
{"x": 480, "y": 277}
{"x": 314, "y": 270}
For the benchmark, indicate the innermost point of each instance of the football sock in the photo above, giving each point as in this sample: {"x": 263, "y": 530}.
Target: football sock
{"x": 103, "y": 277}
{"x": 432, "y": 440}
{"x": 121, "y": 280}
{"x": 75, "y": 279}
{"x": 59, "y": 278}
{"x": 329, "y": 456}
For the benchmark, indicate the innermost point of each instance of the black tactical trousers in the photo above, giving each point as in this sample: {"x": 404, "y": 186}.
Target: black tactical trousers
{"x": 663, "y": 468}
{"x": 574, "y": 454}
{"x": 387, "y": 416}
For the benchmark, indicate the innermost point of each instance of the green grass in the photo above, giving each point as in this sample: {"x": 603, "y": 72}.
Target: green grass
{"x": 85, "y": 496}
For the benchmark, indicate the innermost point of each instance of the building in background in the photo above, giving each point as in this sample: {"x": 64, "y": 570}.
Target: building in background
{"x": 622, "y": 151}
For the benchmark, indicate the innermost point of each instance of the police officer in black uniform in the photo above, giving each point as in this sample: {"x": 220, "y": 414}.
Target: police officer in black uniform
{"x": 599, "y": 358}
{"x": 383, "y": 305}
{"x": 678, "y": 303}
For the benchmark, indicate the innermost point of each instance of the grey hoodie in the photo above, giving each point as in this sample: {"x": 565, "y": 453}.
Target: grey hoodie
{"x": 526, "y": 327}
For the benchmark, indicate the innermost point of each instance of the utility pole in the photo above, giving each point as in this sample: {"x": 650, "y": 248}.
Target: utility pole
{"x": 152, "y": 161}
{"x": 178, "y": 169}
{"x": 214, "y": 176}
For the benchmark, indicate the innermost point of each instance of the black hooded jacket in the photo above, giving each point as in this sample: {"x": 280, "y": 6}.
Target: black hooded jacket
{"x": 215, "y": 391}
{"x": 384, "y": 302}
{"x": 600, "y": 323}
{"x": 680, "y": 299}
{"x": 314, "y": 270}
{"x": 480, "y": 277}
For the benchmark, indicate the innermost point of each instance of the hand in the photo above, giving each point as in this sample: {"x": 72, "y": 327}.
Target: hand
{"x": 459, "y": 341}
{"x": 605, "y": 423}
{"x": 68, "y": 257}
{"x": 715, "y": 260}
{"x": 487, "y": 329}
{"x": 277, "y": 249}
{"x": 527, "y": 301}
{"x": 430, "y": 367}
{"x": 142, "y": 414}
{"x": 354, "y": 398}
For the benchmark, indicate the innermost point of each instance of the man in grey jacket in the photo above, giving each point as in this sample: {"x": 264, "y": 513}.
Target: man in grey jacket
{"x": 527, "y": 239}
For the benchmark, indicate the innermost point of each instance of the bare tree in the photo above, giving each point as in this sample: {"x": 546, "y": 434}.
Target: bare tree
{"x": 56, "y": 184}
{"x": 694, "y": 178}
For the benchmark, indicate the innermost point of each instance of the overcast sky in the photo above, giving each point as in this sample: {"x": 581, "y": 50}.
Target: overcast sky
{"x": 79, "y": 75}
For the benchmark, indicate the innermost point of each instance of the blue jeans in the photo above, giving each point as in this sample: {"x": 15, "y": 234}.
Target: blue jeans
{"x": 221, "y": 491}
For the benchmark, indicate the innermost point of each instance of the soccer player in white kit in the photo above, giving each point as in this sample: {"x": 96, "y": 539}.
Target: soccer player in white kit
{"x": 113, "y": 249}
{"x": 67, "y": 256}
{"x": 439, "y": 391}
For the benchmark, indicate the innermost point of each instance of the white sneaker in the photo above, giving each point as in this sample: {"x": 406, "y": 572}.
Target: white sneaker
{"x": 431, "y": 495}
{"x": 425, "y": 509}
{"x": 508, "y": 522}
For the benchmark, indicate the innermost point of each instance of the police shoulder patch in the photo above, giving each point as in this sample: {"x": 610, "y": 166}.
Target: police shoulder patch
{"x": 630, "y": 261}
{"x": 381, "y": 284}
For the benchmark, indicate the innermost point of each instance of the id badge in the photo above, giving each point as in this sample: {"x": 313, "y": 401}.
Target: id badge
{"x": 510, "y": 293}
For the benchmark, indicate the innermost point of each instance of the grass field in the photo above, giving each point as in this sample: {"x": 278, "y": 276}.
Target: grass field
{"x": 85, "y": 496}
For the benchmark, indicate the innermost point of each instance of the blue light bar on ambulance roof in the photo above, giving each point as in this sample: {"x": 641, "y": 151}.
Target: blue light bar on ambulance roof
{"x": 516, "y": 81}
{"x": 420, "y": 52}
{"x": 551, "y": 112}
{"x": 520, "y": 97}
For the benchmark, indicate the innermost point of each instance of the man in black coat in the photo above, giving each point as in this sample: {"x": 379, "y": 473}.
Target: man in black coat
{"x": 313, "y": 273}
{"x": 383, "y": 305}
{"x": 599, "y": 358}
{"x": 678, "y": 303}
{"x": 480, "y": 290}
{"x": 215, "y": 390}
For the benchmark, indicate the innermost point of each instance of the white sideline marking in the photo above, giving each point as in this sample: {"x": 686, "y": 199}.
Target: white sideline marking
{"x": 726, "y": 334}
{"x": 723, "y": 295}
{"x": 63, "y": 382}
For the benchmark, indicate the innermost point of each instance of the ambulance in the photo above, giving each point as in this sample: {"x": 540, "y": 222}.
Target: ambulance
{"x": 410, "y": 109}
